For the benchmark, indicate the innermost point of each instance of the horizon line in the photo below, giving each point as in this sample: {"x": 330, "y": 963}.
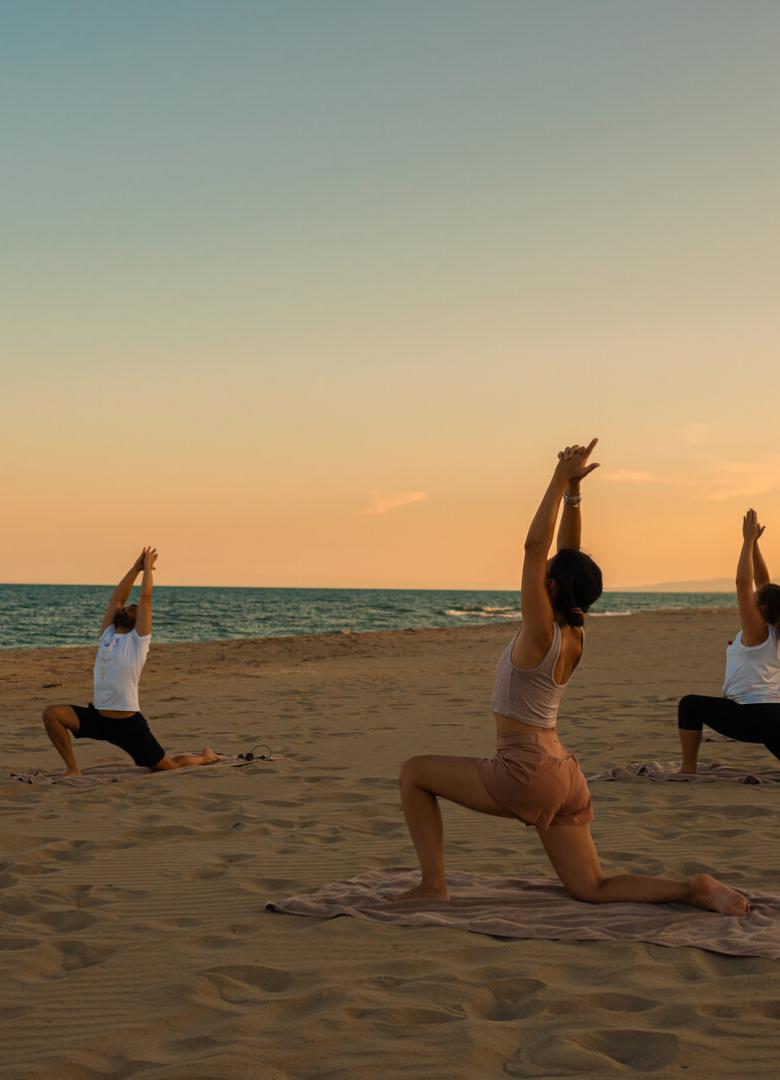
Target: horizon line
{"x": 657, "y": 587}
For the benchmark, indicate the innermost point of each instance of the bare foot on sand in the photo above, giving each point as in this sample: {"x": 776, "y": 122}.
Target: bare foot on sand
{"x": 709, "y": 893}
{"x": 70, "y": 772}
{"x": 424, "y": 892}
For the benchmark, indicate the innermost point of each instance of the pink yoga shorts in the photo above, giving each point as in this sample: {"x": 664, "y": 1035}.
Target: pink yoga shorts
{"x": 536, "y": 787}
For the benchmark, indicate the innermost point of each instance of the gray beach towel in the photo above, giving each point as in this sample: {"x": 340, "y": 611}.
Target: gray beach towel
{"x": 114, "y": 773}
{"x": 541, "y": 909}
{"x": 708, "y": 770}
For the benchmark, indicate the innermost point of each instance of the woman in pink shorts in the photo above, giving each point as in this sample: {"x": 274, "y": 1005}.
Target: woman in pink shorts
{"x": 532, "y": 776}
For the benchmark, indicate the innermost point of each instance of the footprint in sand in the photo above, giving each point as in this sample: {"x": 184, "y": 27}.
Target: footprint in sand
{"x": 236, "y": 984}
{"x": 17, "y": 905}
{"x": 514, "y": 1010}
{"x": 77, "y": 955}
{"x": 513, "y": 998}
{"x": 16, "y": 944}
{"x": 724, "y": 1012}
{"x": 599, "y": 1053}
{"x": 55, "y": 960}
{"x": 67, "y": 921}
{"x": 387, "y": 826}
{"x": 70, "y": 851}
{"x": 642, "y": 1050}
{"x": 157, "y": 833}
{"x": 407, "y": 1017}
{"x": 43, "y": 859}
{"x": 82, "y": 895}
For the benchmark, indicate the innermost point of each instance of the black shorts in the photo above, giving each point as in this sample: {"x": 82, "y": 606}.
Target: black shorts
{"x": 131, "y": 734}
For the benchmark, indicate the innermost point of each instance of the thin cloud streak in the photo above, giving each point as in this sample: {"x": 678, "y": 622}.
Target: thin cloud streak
{"x": 386, "y": 504}
{"x": 744, "y": 479}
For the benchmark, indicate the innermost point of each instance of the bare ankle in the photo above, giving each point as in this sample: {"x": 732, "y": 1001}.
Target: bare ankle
{"x": 425, "y": 891}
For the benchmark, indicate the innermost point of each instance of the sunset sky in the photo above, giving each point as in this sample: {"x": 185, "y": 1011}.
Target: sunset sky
{"x": 311, "y": 293}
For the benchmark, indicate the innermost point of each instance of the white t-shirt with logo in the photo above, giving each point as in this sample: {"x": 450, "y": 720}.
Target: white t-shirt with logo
{"x": 753, "y": 671}
{"x": 118, "y": 665}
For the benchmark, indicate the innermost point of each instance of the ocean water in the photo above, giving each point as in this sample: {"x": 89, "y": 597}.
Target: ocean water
{"x": 42, "y": 616}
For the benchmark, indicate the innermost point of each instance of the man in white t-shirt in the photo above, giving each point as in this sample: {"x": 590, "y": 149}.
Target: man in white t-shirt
{"x": 114, "y": 715}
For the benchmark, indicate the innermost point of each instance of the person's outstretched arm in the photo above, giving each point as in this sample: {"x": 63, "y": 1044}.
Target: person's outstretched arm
{"x": 760, "y": 571}
{"x": 754, "y": 629}
{"x": 121, "y": 592}
{"x": 536, "y": 633}
{"x": 143, "y": 618}
{"x": 570, "y": 528}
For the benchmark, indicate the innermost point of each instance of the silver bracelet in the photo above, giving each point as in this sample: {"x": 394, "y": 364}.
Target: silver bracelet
{"x": 572, "y": 500}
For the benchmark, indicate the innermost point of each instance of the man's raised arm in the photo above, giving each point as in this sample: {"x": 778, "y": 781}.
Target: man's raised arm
{"x": 143, "y": 618}
{"x": 121, "y": 592}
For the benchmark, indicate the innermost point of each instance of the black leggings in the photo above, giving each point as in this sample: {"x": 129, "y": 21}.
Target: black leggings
{"x": 745, "y": 723}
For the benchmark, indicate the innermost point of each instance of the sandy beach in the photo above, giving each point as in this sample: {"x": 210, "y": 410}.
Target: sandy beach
{"x": 133, "y": 936}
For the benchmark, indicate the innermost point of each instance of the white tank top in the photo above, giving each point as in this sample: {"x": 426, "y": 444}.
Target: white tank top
{"x": 118, "y": 665}
{"x": 753, "y": 671}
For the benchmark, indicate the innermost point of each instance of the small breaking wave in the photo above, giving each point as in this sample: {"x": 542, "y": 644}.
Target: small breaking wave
{"x": 483, "y": 613}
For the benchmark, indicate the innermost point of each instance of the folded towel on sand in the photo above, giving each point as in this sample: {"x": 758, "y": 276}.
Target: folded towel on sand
{"x": 113, "y": 773}
{"x": 708, "y": 770}
{"x": 539, "y": 908}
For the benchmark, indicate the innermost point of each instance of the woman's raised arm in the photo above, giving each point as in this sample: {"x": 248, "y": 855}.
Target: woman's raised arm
{"x": 535, "y": 603}
{"x": 570, "y": 528}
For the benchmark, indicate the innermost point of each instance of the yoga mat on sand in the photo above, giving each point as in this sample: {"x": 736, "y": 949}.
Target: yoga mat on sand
{"x": 708, "y": 770}
{"x": 542, "y": 909}
{"x": 115, "y": 773}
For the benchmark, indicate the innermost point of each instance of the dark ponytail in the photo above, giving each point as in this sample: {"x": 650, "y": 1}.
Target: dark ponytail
{"x": 575, "y": 616}
{"x": 768, "y": 601}
{"x": 579, "y": 585}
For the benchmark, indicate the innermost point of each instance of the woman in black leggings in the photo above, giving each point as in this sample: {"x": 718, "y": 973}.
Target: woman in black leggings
{"x": 749, "y": 710}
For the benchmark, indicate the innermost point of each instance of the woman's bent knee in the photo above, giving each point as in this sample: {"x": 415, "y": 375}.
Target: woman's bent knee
{"x": 408, "y": 772}
{"x": 586, "y": 894}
